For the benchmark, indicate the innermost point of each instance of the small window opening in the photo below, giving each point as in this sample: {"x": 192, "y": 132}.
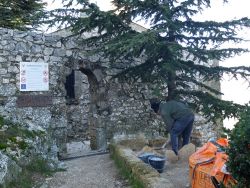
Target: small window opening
{"x": 70, "y": 86}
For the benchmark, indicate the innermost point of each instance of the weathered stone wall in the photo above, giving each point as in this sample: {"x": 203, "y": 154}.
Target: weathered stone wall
{"x": 130, "y": 107}
{"x": 99, "y": 107}
{"x": 16, "y": 46}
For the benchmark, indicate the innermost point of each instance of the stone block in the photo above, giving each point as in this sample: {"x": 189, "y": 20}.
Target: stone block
{"x": 59, "y": 52}
{"x": 3, "y": 71}
{"x": 5, "y": 81}
{"x": 48, "y": 51}
{"x": 76, "y": 147}
{"x": 171, "y": 157}
{"x": 18, "y": 58}
{"x": 3, "y": 59}
{"x": 186, "y": 151}
{"x": 69, "y": 53}
{"x": 22, "y": 47}
{"x": 13, "y": 69}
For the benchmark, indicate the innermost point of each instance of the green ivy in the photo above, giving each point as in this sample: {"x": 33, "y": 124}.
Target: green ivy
{"x": 239, "y": 151}
{"x": 3, "y": 146}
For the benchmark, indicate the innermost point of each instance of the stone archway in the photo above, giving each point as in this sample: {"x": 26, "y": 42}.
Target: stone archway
{"x": 98, "y": 109}
{"x": 87, "y": 104}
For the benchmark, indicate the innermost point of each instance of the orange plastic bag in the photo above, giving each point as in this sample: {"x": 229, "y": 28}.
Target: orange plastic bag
{"x": 206, "y": 166}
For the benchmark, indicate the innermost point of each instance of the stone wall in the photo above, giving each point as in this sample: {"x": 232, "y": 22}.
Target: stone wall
{"x": 16, "y": 46}
{"x": 86, "y": 103}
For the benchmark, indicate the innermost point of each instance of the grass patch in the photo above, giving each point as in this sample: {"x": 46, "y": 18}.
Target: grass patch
{"x": 33, "y": 175}
{"x": 25, "y": 180}
{"x": 41, "y": 166}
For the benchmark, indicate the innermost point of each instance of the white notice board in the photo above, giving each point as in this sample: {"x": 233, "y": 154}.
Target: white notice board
{"x": 34, "y": 76}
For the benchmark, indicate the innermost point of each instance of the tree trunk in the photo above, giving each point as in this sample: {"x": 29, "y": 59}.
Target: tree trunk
{"x": 171, "y": 85}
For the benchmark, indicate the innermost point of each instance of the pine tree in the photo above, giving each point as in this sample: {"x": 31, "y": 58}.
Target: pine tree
{"x": 21, "y": 14}
{"x": 177, "y": 49}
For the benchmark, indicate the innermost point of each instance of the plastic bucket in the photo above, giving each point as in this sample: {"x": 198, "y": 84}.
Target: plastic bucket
{"x": 144, "y": 156}
{"x": 157, "y": 162}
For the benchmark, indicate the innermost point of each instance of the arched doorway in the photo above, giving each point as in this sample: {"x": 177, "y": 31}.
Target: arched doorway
{"x": 85, "y": 100}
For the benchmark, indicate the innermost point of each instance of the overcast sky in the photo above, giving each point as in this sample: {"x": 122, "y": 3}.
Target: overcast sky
{"x": 234, "y": 90}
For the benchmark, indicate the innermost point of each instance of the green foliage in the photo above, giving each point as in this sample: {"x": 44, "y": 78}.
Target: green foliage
{"x": 22, "y": 145}
{"x": 239, "y": 151}
{"x": 24, "y": 180}
{"x": 3, "y": 146}
{"x": 21, "y": 14}
{"x": 40, "y": 165}
{"x": 176, "y": 48}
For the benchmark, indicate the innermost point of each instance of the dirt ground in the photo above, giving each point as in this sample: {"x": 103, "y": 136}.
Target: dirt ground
{"x": 99, "y": 171}
{"x": 88, "y": 172}
{"x": 178, "y": 173}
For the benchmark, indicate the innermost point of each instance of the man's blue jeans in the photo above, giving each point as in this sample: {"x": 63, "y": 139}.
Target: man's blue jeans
{"x": 181, "y": 127}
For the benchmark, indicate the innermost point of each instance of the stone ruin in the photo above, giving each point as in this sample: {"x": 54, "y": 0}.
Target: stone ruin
{"x": 83, "y": 103}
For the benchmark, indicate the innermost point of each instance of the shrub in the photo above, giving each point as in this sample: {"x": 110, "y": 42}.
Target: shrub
{"x": 33, "y": 174}
{"x": 40, "y": 165}
{"x": 239, "y": 151}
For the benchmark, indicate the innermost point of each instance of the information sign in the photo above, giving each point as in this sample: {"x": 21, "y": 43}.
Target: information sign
{"x": 34, "y": 76}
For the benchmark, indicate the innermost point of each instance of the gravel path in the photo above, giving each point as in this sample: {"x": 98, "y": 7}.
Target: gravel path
{"x": 177, "y": 173}
{"x": 97, "y": 171}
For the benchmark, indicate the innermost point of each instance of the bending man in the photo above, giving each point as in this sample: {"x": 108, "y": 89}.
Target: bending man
{"x": 178, "y": 118}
